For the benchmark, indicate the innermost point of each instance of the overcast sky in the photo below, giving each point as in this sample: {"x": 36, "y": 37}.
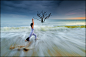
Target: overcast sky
{"x": 28, "y": 9}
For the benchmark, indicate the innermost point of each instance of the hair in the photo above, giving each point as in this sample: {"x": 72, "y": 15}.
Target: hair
{"x": 31, "y": 24}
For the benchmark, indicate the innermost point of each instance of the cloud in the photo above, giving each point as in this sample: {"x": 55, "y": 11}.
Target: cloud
{"x": 26, "y": 7}
{"x": 60, "y": 2}
{"x": 71, "y": 6}
{"x": 70, "y": 13}
{"x": 17, "y": 2}
{"x": 78, "y": 18}
{"x": 59, "y": 8}
{"x": 14, "y": 16}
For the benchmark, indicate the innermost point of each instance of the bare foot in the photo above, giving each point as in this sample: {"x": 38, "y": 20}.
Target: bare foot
{"x": 36, "y": 39}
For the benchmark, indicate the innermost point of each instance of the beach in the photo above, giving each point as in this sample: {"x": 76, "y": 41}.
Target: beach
{"x": 58, "y": 39}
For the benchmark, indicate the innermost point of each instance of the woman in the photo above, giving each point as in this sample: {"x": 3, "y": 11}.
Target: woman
{"x": 32, "y": 31}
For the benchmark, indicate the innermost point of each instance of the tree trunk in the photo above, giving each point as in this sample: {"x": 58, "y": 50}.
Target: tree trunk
{"x": 42, "y": 20}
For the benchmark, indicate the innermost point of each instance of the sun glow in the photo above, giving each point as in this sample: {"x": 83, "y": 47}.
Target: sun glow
{"x": 78, "y": 18}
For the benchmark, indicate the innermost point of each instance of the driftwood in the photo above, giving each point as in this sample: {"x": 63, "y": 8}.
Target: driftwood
{"x": 25, "y": 48}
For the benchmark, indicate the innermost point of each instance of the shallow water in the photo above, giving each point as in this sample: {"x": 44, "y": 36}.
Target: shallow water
{"x": 56, "y": 41}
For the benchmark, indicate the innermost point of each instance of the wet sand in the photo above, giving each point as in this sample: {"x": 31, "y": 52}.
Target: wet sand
{"x": 61, "y": 42}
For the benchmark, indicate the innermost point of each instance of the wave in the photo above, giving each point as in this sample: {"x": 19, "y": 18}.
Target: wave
{"x": 39, "y": 28}
{"x": 66, "y": 41}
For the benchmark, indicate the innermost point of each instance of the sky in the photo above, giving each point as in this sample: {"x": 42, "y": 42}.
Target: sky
{"x": 60, "y": 9}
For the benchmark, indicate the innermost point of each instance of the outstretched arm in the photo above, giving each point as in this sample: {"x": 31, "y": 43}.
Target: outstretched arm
{"x": 33, "y": 23}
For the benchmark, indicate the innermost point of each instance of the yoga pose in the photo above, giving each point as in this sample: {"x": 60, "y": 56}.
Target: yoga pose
{"x": 32, "y": 31}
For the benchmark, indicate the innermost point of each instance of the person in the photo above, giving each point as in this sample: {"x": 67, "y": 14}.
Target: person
{"x": 32, "y": 31}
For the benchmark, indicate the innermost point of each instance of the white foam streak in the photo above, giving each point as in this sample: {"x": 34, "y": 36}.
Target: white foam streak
{"x": 59, "y": 42}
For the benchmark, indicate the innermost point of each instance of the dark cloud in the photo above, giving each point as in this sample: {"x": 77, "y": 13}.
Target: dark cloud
{"x": 10, "y": 7}
{"x": 17, "y": 2}
{"x": 56, "y": 8}
{"x": 57, "y": 3}
{"x": 60, "y": 2}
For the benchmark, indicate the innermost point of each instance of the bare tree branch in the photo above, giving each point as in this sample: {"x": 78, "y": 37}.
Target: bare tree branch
{"x": 48, "y": 16}
{"x": 38, "y": 14}
{"x": 43, "y": 16}
{"x": 37, "y": 19}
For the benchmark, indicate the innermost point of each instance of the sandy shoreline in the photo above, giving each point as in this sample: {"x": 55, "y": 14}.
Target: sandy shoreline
{"x": 65, "y": 42}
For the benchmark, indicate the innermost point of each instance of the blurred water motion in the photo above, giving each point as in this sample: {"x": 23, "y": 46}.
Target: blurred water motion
{"x": 60, "y": 42}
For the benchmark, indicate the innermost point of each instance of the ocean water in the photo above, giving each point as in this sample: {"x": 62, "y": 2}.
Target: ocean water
{"x": 55, "y": 38}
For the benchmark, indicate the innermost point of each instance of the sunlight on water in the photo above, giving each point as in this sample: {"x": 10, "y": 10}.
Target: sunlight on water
{"x": 52, "y": 41}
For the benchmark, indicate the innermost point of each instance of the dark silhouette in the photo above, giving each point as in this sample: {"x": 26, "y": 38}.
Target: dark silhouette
{"x": 43, "y": 16}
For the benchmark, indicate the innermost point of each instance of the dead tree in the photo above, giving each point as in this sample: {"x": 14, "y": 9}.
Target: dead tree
{"x": 43, "y": 16}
